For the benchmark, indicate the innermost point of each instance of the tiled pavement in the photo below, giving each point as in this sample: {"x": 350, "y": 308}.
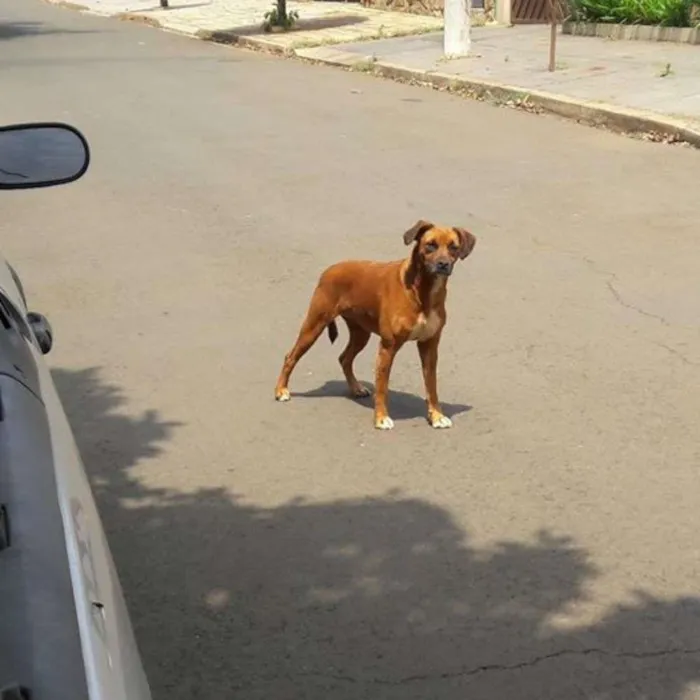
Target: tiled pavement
{"x": 319, "y": 23}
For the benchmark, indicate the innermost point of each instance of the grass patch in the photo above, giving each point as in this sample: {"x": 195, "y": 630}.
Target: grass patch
{"x": 664, "y": 13}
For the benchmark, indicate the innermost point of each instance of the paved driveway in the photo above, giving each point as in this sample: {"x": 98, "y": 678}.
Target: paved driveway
{"x": 545, "y": 547}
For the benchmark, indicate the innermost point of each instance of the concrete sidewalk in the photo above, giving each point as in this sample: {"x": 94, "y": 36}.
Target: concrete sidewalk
{"x": 634, "y": 83}
{"x": 240, "y": 21}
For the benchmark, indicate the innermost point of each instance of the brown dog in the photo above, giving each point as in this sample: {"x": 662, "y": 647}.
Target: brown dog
{"x": 399, "y": 301}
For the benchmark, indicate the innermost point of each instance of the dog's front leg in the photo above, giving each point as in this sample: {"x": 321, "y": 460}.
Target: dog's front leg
{"x": 428, "y": 351}
{"x": 385, "y": 359}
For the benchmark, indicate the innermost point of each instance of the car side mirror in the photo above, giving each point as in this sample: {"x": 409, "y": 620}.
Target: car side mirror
{"x": 41, "y": 154}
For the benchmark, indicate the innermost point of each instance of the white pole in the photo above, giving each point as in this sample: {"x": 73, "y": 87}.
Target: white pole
{"x": 457, "y": 28}
{"x": 503, "y": 12}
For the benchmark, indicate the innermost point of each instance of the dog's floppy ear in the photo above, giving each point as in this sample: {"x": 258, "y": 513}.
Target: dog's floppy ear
{"x": 416, "y": 231}
{"x": 467, "y": 242}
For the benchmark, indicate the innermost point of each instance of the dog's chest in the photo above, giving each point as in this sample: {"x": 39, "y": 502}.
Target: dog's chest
{"x": 426, "y": 326}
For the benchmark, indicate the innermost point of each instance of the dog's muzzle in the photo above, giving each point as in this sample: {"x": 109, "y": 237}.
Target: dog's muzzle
{"x": 443, "y": 267}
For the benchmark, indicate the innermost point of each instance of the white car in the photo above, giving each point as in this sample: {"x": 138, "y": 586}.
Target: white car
{"x": 65, "y": 633}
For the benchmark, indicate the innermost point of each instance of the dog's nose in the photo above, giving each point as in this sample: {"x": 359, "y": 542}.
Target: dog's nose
{"x": 443, "y": 266}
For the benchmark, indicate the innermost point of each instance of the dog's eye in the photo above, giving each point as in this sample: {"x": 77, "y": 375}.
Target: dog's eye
{"x": 453, "y": 247}
{"x": 431, "y": 246}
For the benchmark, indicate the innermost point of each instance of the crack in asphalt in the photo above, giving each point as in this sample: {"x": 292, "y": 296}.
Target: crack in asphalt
{"x": 610, "y": 283}
{"x": 612, "y": 279}
{"x": 489, "y": 668}
{"x": 678, "y": 354}
{"x": 620, "y": 300}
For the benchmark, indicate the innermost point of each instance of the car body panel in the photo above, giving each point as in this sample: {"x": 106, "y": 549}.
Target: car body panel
{"x": 60, "y": 545}
{"x": 39, "y": 637}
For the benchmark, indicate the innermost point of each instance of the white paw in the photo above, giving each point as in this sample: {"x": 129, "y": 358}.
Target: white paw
{"x": 361, "y": 392}
{"x": 440, "y": 421}
{"x": 283, "y": 395}
{"x": 384, "y": 424}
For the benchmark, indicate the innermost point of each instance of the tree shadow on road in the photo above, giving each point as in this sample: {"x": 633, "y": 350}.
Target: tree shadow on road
{"x": 110, "y": 440}
{"x": 379, "y": 597}
{"x": 14, "y": 30}
{"x": 173, "y": 6}
{"x": 402, "y": 405}
{"x": 230, "y": 34}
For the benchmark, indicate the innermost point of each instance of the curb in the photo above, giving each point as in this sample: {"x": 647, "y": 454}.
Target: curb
{"x": 654, "y": 127}
{"x": 597, "y": 114}
{"x": 232, "y": 39}
{"x": 137, "y": 18}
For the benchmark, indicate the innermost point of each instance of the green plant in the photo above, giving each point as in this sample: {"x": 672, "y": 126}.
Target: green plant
{"x": 278, "y": 17}
{"x": 366, "y": 65}
{"x": 666, "y": 13}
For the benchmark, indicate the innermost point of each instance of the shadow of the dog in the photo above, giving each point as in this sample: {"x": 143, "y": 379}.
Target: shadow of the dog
{"x": 402, "y": 405}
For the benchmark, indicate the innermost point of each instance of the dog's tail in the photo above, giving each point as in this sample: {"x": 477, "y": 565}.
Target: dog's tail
{"x": 332, "y": 331}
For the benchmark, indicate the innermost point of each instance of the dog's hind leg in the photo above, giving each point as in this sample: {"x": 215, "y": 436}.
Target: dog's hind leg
{"x": 357, "y": 341}
{"x": 317, "y": 319}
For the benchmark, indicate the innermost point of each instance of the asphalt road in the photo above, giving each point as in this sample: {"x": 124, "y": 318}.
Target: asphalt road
{"x": 545, "y": 547}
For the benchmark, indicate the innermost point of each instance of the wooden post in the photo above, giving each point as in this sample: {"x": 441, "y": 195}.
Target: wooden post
{"x": 164, "y": 4}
